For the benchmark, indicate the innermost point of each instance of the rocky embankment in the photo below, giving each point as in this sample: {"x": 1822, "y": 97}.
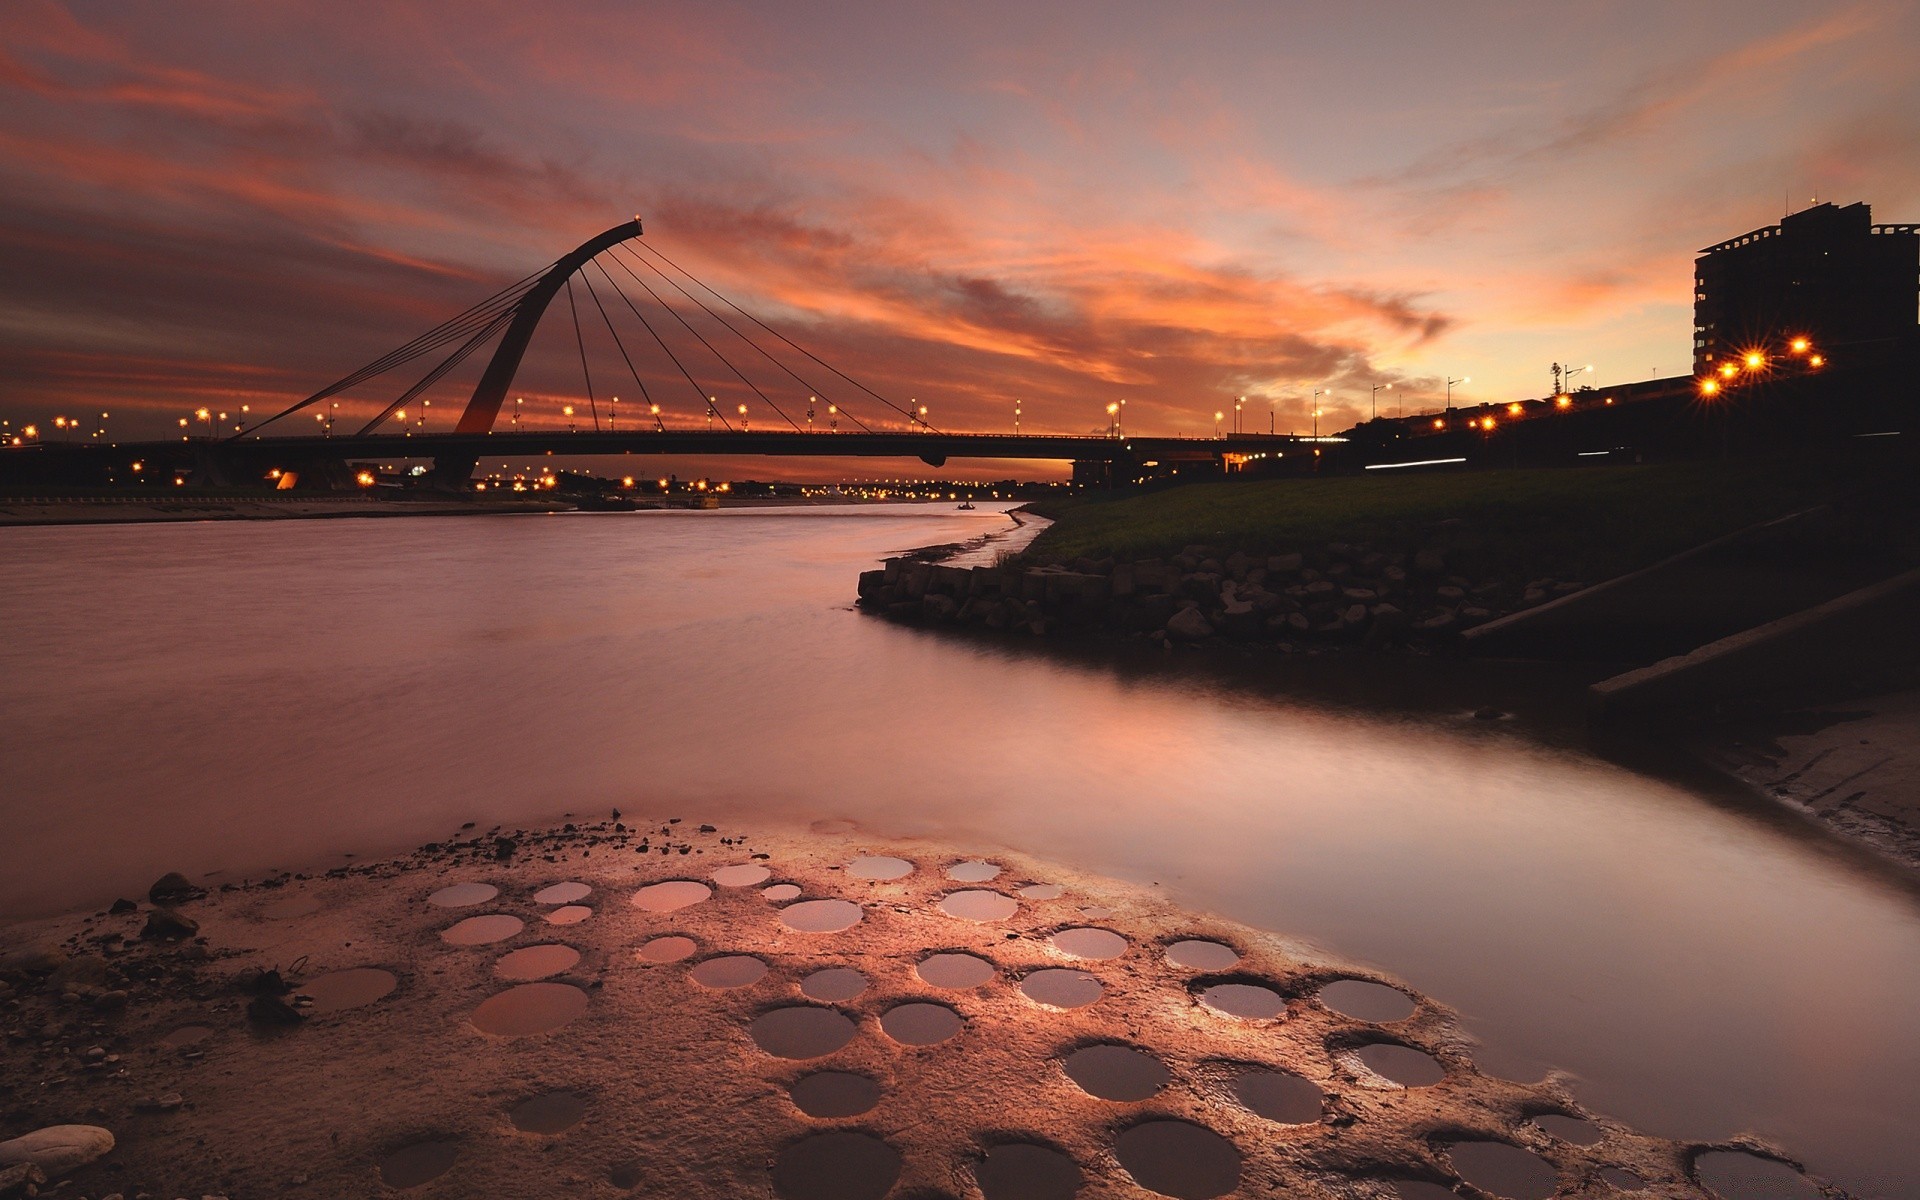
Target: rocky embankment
{"x": 1338, "y": 593}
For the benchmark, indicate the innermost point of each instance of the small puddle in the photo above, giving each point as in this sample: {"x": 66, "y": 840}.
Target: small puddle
{"x": 800, "y": 1031}
{"x": 1569, "y": 1129}
{"x": 1621, "y": 1178}
{"x": 1402, "y": 1064}
{"x": 821, "y": 916}
{"x": 954, "y": 971}
{"x": 1249, "y": 1001}
{"x": 1504, "y": 1170}
{"x": 1043, "y": 891}
{"x": 1364, "y": 1000}
{"x": 562, "y": 893}
{"x": 1197, "y": 955}
{"x": 339, "y": 990}
{"x": 972, "y": 871}
{"x": 555, "y": 1112}
{"x": 1086, "y": 942}
{"x": 729, "y": 971}
{"x": 1096, "y": 912}
{"x": 833, "y": 984}
{"x": 841, "y": 1165}
{"x": 1116, "y": 1072}
{"x": 1179, "y": 1158}
{"x": 742, "y": 875}
{"x": 920, "y": 1024}
{"x": 1058, "y": 987}
{"x": 422, "y": 1162}
{"x": 979, "y": 905}
{"x": 286, "y": 908}
{"x": 1737, "y": 1175}
{"x": 671, "y": 895}
{"x": 1279, "y": 1096}
{"x": 569, "y": 914}
{"x": 187, "y": 1035}
{"x": 478, "y": 931}
{"x": 880, "y": 866}
{"x": 827, "y": 1094}
{"x": 1024, "y": 1171}
{"x": 780, "y": 893}
{"x": 671, "y": 948}
{"x": 460, "y": 895}
{"x": 536, "y": 962}
{"x": 529, "y": 1009}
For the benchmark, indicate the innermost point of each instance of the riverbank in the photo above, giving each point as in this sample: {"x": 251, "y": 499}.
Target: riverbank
{"x": 656, "y": 1006}
{"x": 128, "y": 510}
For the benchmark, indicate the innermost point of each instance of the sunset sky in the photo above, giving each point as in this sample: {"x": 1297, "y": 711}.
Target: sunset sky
{"x": 965, "y": 204}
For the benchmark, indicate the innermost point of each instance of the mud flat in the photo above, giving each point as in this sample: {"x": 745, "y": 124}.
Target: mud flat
{"x": 798, "y": 1013}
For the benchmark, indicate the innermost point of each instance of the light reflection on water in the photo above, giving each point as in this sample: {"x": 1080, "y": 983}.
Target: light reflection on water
{"x": 244, "y": 696}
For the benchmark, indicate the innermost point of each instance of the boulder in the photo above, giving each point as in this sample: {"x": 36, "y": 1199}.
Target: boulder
{"x": 936, "y": 607}
{"x": 1188, "y": 625}
{"x": 1429, "y": 561}
{"x": 172, "y": 888}
{"x": 1285, "y": 564}
{"x": 33, "y": 960}
{"x": 57, "y": 1149}
{"x": 870, "y": 584}
{"x": 167, "y": 925}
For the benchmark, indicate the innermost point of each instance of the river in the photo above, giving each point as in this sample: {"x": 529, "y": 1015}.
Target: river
{"x": 237, "y": 697}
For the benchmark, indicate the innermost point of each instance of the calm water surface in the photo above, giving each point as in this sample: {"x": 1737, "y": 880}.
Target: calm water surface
{"x": 239, "y": 697}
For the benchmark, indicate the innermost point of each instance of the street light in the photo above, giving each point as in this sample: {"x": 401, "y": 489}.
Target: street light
{"x": 517, "y": 402}
{"x": 1317, "y": 393}
{"x": 743, "y": 418}
{"x": 810, "y": 403}
{"x": 613, "y": 419}
{"x": 1377, "y": 389}
{"x": 566, "y": 410}
{"x": 1217, "y": 418}
{"x": 1016, "y": 418}
{"x": 833, "y": 418}
{"x": 1113, "y": 419}
{"x": 206, "y": 416}
{"x": 924, "y": 427}
{"x": 1450, "y": 383}
{"x": 658, "y": 425}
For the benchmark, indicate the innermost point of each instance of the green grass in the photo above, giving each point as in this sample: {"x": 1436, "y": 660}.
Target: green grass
{"x": 1586, "y": 523}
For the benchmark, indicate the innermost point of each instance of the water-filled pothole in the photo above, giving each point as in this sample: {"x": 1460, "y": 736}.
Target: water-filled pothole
{"x": 880, "y": 866}
{"x": 1249, "y": 1001}
{"x": 531, "y": 1008}
{"x": 1058, "y": 987}
{"x": 1622, "y": 1179}
{"x": 555, "y": 1112}
{"x": 338, "y": 990}
{"x": 821, "y": 916}
{"x": 460, "y": 895}
{"x": 827, "y": 1094}
{"x": 729, "y": 971}
{"x": 569, "y": 914}
{"x": 562, "y": 893}
{"x": 841, "y": 1165}
{"x": 671, "y": 948}
{"x": 1737, "y": 1175}
{"x": 1116, "y": 1072}
{"x": 918, "y": 1023}
{"x": 536, "y": 962}
{"x": 1043, "y": 891}
{"x": 780, "y": 893}
{"x": 954, "y": 971}
{"x": 1179, "y": 1158}
{"x": 1086, "y": 942}
{"x": 420, "y": 1163}
{"x": 801, "y": 1031}
{"x": 979, "y": 905}
{"x": 1502, "y": 1169}
{"x": 478, "y": 931}
{"x": 287, "y": 908}
{"x": 1402, "y": 1064}
{"x": 1365, "y": 1000}
{"x": 1024, "y": 1171}
{"x": 1279, "y": 1096}
{"x": 671, "y": 895}
{"x": 1569, "y": 1129}
{"x": 972, "y": 871}
{"x": 833, "y": 984}
{"x": 186, "y": 1035}
{"x": 742, "y": 875}
{"x": 1197, "y": 955}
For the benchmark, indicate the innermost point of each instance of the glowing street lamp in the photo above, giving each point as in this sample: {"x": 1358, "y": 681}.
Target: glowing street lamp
{"x": 517, "y": 402}
{"x": 1450, "y": 383}
{"x": 1317, "y": 393}
{"x": 1113, "y": 420}
{"x": 833, "y": 418}
{"x": 810, "y": 403}
{"x": 711, "y": 413}
{"x": 1377, "y": 389}
{"x": 658, "y": 425}
{"x": 924, "y": 427}
{"x": 1016, "y": 418}
{"x": 1217, "y": 418}
{"x": 566, "y": 410}
{"x": 1238, "y": 401}
{"x": 613, "y": 419}
{"x": 206, "y": 416}
{"x": 743, "y": 418}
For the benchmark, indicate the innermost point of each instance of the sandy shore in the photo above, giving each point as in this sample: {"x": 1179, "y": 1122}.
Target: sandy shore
{"x": 771, "y": 1021}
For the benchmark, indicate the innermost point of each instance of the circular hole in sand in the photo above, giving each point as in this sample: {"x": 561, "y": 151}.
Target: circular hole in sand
{"x": 1116, "y": 1072}
{"x": 554, "y": 1112}
{"x": 827, "y": 1094}
{"x": 1179, "y": 1158}
{"x": 729, "y": 971}
{"x": 338, "y": 990}
{"x": 1402, "y": 1064}
{"x": 1087, "y": 942}
{"x": 1420, "y": 1189}
{"x": 1737, "y": 1175}
{"x": 286, "y": 908}
{"x": 536, "y": 962}
{"x": 833, "y": 984}
{"x": 671, "y": 895}
{"x": 1279, "y": 1096}
{"x": 1621, "y": 1178}
{"x": 1058, "y": 987}
{"x": 562, "y": 893}
{"x": 187, "y": 1035}
{"x": 920, "y": 1024}
{"x": 841, "y": 1165}
{"x": 821, "y": 916}
{"x": 420, "y": 1163}
{"x": 972, "y": 871}
{"x": 880, "y": 866}
{"x": 1504, "y": 1170}
{"x": 1364, "y": 1000}
{"x": 478, "y": 931}
{"x": 1024, "y": 1171}
{"x": 671, "y": 948}
{"x": 529, "y": 1009}
{"x": 569, "y": 914}
{"x": 460, "y": 895}
{"x": 799, "y": 1031}
{"x": 979, "y": 905}
{"x": 954, "y": 971}
{"x": 1249, "y": 1001}
{"x": 1569, "y": 1129}
{"x": 780, "y": 893}
{"x": 1042, "y": 891}
{"x": 742, "y": 875}
{"x": 1197, "y": 955}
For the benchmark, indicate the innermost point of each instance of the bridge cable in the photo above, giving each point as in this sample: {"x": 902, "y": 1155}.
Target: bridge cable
{"x": 437, "y": 373}
{"x": 580, "y": 340}
{"x": 622, "y": 346}
{"x": 699, "y": 391}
